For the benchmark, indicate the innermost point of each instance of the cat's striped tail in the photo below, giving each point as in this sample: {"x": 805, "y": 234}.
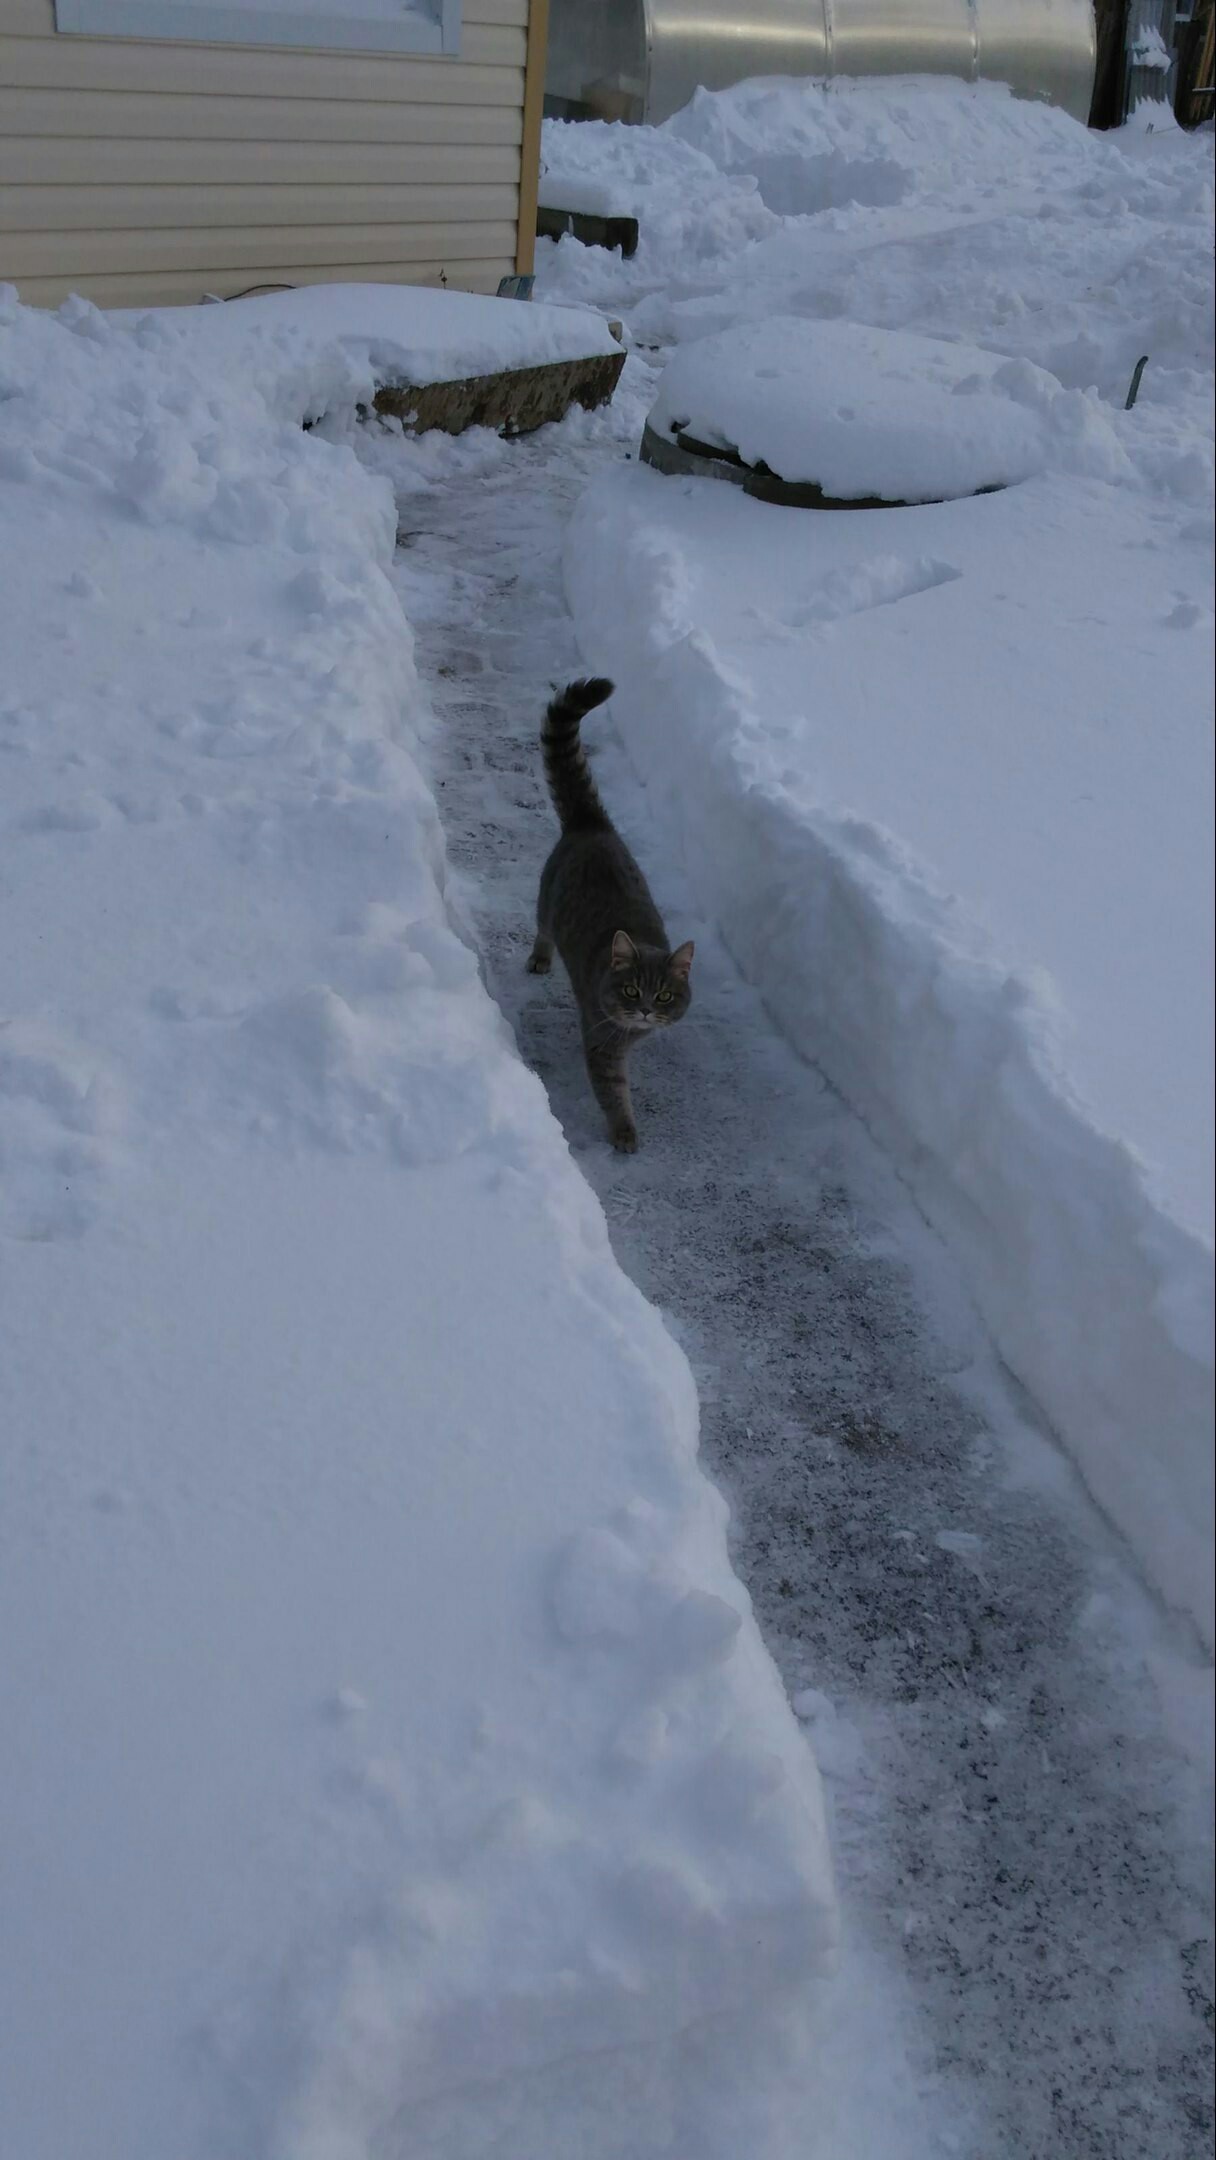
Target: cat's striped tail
{"x": 575, "y": 795}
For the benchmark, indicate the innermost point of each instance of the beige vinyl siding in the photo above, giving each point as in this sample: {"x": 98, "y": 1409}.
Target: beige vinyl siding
{"x": 134, "y": 171}
{"x": 104, "y": 117}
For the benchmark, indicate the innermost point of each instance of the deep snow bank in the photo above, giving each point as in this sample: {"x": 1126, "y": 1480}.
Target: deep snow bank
{"x": 393, "y": 1765}
{"x": 736, "y": 163}
{"x": 946, "y": 773}
{"x": 877, "y": 790}
{"x": 689, "y": 211}
{"x": 918, "y": 204}
{"x": 875, "y": 141}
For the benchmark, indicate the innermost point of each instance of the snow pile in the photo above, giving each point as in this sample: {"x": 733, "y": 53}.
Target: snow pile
{"x": 815, "y": 146}
{"x": 689, "y": 211}
{"x": 996, "y": 220}
{"x": 875, "y": 412}
{"x": 394, "y": 1764}
{"x": 882, "y": 792}
{"x": 736, "y": 164}
{"x": 945, "y": 773}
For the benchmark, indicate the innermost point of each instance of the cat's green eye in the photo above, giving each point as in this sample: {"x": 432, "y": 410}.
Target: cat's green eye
{"x": 663, "y": 997}
{"x": 629, "y": 990}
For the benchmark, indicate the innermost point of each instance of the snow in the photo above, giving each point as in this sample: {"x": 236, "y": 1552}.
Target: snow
{"x": 396, "y": 1766}
{"x": 1023, "y": 1853}
{"x": 957, "y": 211}
{"x": 812, "y": 146}
{"x": 1011, "y": 1046}
{"x": 734, "y": 165}
{"x": 946, "y": 772}
{"x": 687, "y": 209}
{"x": 1146, "y": 48}
{"x": 341, "y": 342}
{"x": 395, "y": 1763}
{"x": 863, "y": 412}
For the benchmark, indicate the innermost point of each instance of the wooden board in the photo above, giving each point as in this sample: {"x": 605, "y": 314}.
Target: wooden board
{"x": 605, "y": 232}
{"x": 515, "y": 400}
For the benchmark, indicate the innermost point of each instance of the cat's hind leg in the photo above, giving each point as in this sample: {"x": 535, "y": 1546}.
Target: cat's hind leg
{"x": 541, "y": 958}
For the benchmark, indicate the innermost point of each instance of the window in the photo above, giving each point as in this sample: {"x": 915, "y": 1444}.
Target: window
{"x": 407, "y": 26}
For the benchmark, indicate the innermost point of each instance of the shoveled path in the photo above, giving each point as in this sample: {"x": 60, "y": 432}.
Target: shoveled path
{"x": 1020, "y": 1845}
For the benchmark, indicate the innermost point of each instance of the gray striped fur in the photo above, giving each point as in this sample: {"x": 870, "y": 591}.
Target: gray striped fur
{"x": 596, "y": 909}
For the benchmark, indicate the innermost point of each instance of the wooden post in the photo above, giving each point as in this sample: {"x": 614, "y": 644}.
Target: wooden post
{"x": 1195, "y": 90}
{"x": 529, "y": 160}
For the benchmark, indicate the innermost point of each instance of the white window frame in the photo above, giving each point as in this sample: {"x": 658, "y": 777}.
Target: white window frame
{"x": 433, "y": 28}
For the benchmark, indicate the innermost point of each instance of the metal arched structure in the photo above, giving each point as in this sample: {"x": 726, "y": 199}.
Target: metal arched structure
{"x": 643, "y": 59}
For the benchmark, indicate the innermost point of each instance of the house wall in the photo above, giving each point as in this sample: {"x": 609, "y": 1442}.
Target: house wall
{"x": 135, "y": 172}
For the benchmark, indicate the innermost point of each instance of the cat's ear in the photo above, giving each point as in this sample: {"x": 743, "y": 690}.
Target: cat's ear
{"x": 681, "y": 960}
{"x": 624, "y": 951}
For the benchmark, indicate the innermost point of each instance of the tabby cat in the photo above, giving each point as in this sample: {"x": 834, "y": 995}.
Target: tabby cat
{"x": 595, "y": 907}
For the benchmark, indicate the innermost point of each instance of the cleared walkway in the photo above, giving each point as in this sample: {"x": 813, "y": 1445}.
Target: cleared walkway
{"x": 1022, "y": 1849}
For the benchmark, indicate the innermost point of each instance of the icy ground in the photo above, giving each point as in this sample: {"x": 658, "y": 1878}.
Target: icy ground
{"x": 1003, "y": 1719}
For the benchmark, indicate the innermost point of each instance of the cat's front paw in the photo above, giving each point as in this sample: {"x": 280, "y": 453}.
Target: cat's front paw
{"x": 625, "y": 1139}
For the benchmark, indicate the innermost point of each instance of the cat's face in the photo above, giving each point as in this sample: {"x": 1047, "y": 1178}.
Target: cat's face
{"x": 645, "y": 989}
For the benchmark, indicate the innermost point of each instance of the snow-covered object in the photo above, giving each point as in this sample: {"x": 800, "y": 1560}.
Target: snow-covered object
{"x": 385, "y": 333}
{"x": 559, "y": 188}
{"x": 860, "y": 412}
{"x": 392, "y": 1763}
{"x": 688, "y": 210}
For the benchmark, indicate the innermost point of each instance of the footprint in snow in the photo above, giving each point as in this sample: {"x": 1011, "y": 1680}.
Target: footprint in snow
{"x": 59, "y": 1111}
